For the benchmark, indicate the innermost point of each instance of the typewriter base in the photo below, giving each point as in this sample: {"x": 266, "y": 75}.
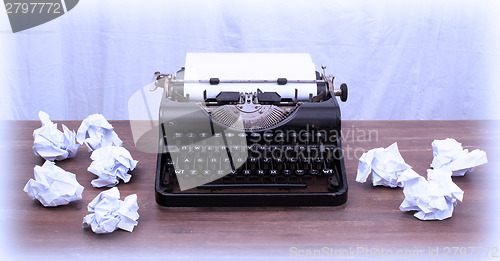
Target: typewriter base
{"x": 251, "y": 200}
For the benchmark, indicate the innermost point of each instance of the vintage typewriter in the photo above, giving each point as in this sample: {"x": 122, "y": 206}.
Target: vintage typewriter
{"x": 229, "y": 138}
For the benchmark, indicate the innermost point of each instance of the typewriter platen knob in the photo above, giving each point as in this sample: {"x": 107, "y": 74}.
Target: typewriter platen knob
{"x": 343, "y": 92}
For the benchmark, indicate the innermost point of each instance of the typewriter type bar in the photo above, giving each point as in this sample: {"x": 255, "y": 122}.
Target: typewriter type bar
{"x": 250, "y": 148}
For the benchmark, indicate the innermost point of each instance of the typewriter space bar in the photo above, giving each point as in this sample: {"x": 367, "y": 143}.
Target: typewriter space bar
{"x": 254, "y": 186}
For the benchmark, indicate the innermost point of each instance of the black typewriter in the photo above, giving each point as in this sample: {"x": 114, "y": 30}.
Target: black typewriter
{"x": 237, "y": 142}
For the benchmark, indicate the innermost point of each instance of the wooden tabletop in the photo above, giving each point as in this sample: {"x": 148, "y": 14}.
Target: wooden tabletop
{"x": 369, "y": 221}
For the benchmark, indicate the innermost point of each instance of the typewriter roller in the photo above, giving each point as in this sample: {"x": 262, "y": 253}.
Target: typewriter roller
{"x": 250, "y": 130}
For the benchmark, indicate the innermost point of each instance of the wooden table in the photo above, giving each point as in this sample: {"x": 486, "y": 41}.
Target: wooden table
{"x": 369, "y": 221}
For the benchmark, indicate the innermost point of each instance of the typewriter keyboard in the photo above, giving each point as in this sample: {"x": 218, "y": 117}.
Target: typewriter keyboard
{"x": 298, "y": 163}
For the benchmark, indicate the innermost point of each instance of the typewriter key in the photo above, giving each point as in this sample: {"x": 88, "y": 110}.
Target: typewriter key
{"x": 268, "y": 137}
{"x": 265, "y": 163}
{"x": 293, "y": 137}
{"x": 280, "y": 138}
{"x": 304, "y": 137}
{"x": 327, "y": 171}
{"x": 299, "y": 172}
{"x": 190, "y": 137}
{"x": 254, "y": 137}
{"x": 279, "y": 164}
{"x": 320, "y": 137}
{"x": 292, "y": 164}
{"x": 318, "y": 163}
{"x": 313, "y": 172}
{"x": 252, "y": 164}
{"x": 305, "y": 163}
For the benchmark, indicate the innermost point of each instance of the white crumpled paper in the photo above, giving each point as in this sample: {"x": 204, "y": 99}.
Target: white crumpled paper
{"x": 449, "y": 154}
{"x": 96, "y": 132}
{"x": 53, "y": 186}
{"x": 52, "y": 144}
{"x": 385, "y": 165}
{"x": 434, "y": 198}
{"x": 109, "y": 212}
{"x": 111, "y": 164}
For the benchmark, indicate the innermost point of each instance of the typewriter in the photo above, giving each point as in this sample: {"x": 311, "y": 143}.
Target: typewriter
{"x": 249, "y": 130}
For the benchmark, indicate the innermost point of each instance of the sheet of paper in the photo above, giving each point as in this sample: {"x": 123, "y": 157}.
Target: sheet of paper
{"x": 110, "y": 213}
{"x": 53, "y": 186}
{"x": 385, "y": 165}
{"x": 52, "y": 144}
{"x": 96, "y": 132}
{"x": 111, "y": 164}
{"x": 434, "y": 198}
{"x": 249, "y": 66}
{"x": 449, "y": 154}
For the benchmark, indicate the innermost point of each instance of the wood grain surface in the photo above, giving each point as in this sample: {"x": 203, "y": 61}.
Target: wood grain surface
{"x": 371, "y": 217}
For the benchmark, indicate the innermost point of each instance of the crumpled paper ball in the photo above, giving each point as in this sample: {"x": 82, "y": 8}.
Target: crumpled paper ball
{"x": 53, "y": 186}
{"x": 110, "y": 213}
{"x": 52, "y": 144}
{"x": 96, "y": 132}
{"x": 385, "y": 165}
{"x": 111, "y": 164}
{"x": 434, "y": 198}
{"x": 449, "y": 154}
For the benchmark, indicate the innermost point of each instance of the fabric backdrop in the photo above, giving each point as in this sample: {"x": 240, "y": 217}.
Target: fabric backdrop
{"x": 401, "y": 59}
